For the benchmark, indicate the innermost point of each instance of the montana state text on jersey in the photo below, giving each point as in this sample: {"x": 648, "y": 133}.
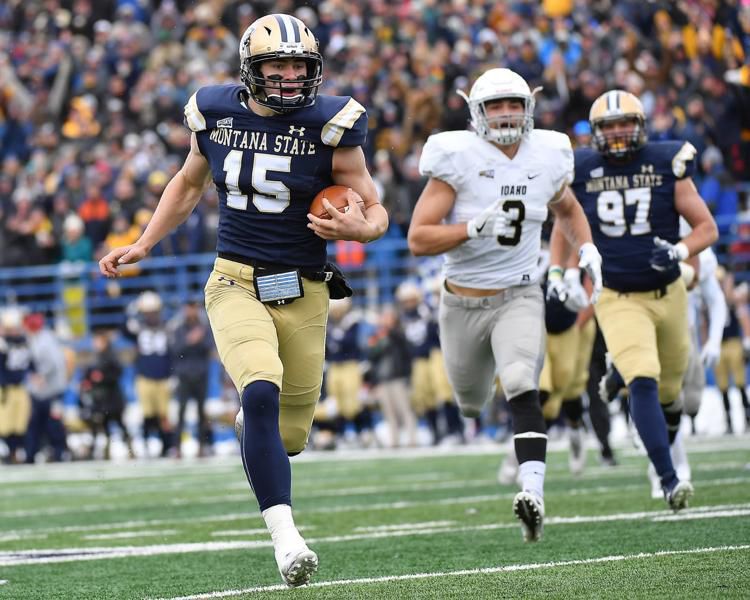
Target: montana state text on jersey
{"x": 267, "y": 171}
{"x": 628, "y": 205}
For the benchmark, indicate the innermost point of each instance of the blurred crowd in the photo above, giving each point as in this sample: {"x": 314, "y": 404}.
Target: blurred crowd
{"x": 154, "y": 387}
{"x": 92, "y": 92}
{"x": 384, "y": 384}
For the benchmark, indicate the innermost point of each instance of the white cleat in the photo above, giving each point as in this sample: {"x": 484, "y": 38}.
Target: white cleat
{"x": 297, "y": 566}
{"x": 529, "y": 509}
{"x": 678, "y": 496}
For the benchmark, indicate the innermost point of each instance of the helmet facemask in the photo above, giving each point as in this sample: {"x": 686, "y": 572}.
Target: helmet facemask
{"x": 498, "y": 84}
{"x": 505, "y": 129}
{"x": 618, "y": 145}
{"x": 269, "y": 91}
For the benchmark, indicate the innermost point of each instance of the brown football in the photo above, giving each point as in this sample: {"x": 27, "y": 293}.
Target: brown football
{"x": 336, "y": 195}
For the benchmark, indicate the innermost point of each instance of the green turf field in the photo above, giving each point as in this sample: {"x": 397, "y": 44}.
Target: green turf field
{"x": 426, "y": 524}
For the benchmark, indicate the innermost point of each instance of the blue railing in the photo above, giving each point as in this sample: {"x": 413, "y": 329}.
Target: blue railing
{"x": 83, "y": 299}
{"x": 79, "y": 296}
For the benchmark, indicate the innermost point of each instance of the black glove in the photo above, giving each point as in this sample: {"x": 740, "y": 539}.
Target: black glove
{"x": 665, "y": 255}
{"x": 337, "y": 285}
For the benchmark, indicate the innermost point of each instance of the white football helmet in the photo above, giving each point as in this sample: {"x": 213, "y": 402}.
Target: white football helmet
{"x": 493, "y": 85}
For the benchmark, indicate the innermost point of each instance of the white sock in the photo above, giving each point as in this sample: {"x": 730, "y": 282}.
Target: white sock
{"x": 281, "y": 526}
{"x": 531, "y": 474}
{"x": 680, "y": 458}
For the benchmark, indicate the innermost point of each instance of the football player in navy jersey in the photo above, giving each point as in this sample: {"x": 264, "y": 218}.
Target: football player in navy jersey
{"x": 270, "y": 145}
{"x": 633, "y": 193}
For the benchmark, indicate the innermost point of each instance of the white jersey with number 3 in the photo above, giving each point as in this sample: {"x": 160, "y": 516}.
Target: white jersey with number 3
{"x": 481, "y": 174}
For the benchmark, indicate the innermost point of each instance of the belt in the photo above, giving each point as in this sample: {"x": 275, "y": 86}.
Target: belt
{"x": 307, "y": 273}
{"x": 658, "y": 292}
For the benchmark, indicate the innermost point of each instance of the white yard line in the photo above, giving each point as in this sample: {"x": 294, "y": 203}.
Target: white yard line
{"x": 467, "y": 572}
{"x": 231, "y": 498}
{"x": 119, "y": 489}
{"x": 143, "y": 469}
{"x": 59, "y": 555}
{"x": 251, "y": 532}
{"x": 240, "y": 532}
{"x": 123, "y": 535}
{"x": 250, "y": 515}
{"x": 94, "y": 473}
{"x": 406, "y": 526}
{"x": 693, "y": 516}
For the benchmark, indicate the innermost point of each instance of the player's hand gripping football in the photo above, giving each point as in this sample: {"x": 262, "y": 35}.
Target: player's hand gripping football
{"x": 591, "y": 261}
{"x": 350, "y": 225}
{"x": 124, "y": 255}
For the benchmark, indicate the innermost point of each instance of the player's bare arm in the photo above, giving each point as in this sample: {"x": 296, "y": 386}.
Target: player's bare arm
{"x": 572, "y": 225}
{"x": 691, "y": 206}
{"x": 428, "y": 235}
{"x": 570, "y": 222}
{"x": 350, "y": 169}
{"x": 177, "y": 201}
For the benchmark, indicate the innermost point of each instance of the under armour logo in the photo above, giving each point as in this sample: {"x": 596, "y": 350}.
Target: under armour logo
{"x": 647, "y": 168}
{"x": 297, "y": 130}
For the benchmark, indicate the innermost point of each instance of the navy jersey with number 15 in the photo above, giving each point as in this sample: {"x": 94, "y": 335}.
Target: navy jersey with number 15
{"x": 267, "y": 170}
{"x": 628, "y": 205}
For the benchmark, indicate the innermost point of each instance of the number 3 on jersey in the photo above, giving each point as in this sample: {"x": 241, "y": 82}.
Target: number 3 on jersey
{"x": 270, "y": 196}
{"x": 515, "y": 222}
{"x": 610, "y": 208}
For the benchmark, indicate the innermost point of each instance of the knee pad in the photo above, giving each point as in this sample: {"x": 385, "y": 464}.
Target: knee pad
{"x": 691, "y": 400}
{"x": 260, "y": 399}
{"x": 517, "y": 378}
{"x": 470, "y": 412}
{"x": 671, "y": 393}
{"x": 294, "y": 439}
